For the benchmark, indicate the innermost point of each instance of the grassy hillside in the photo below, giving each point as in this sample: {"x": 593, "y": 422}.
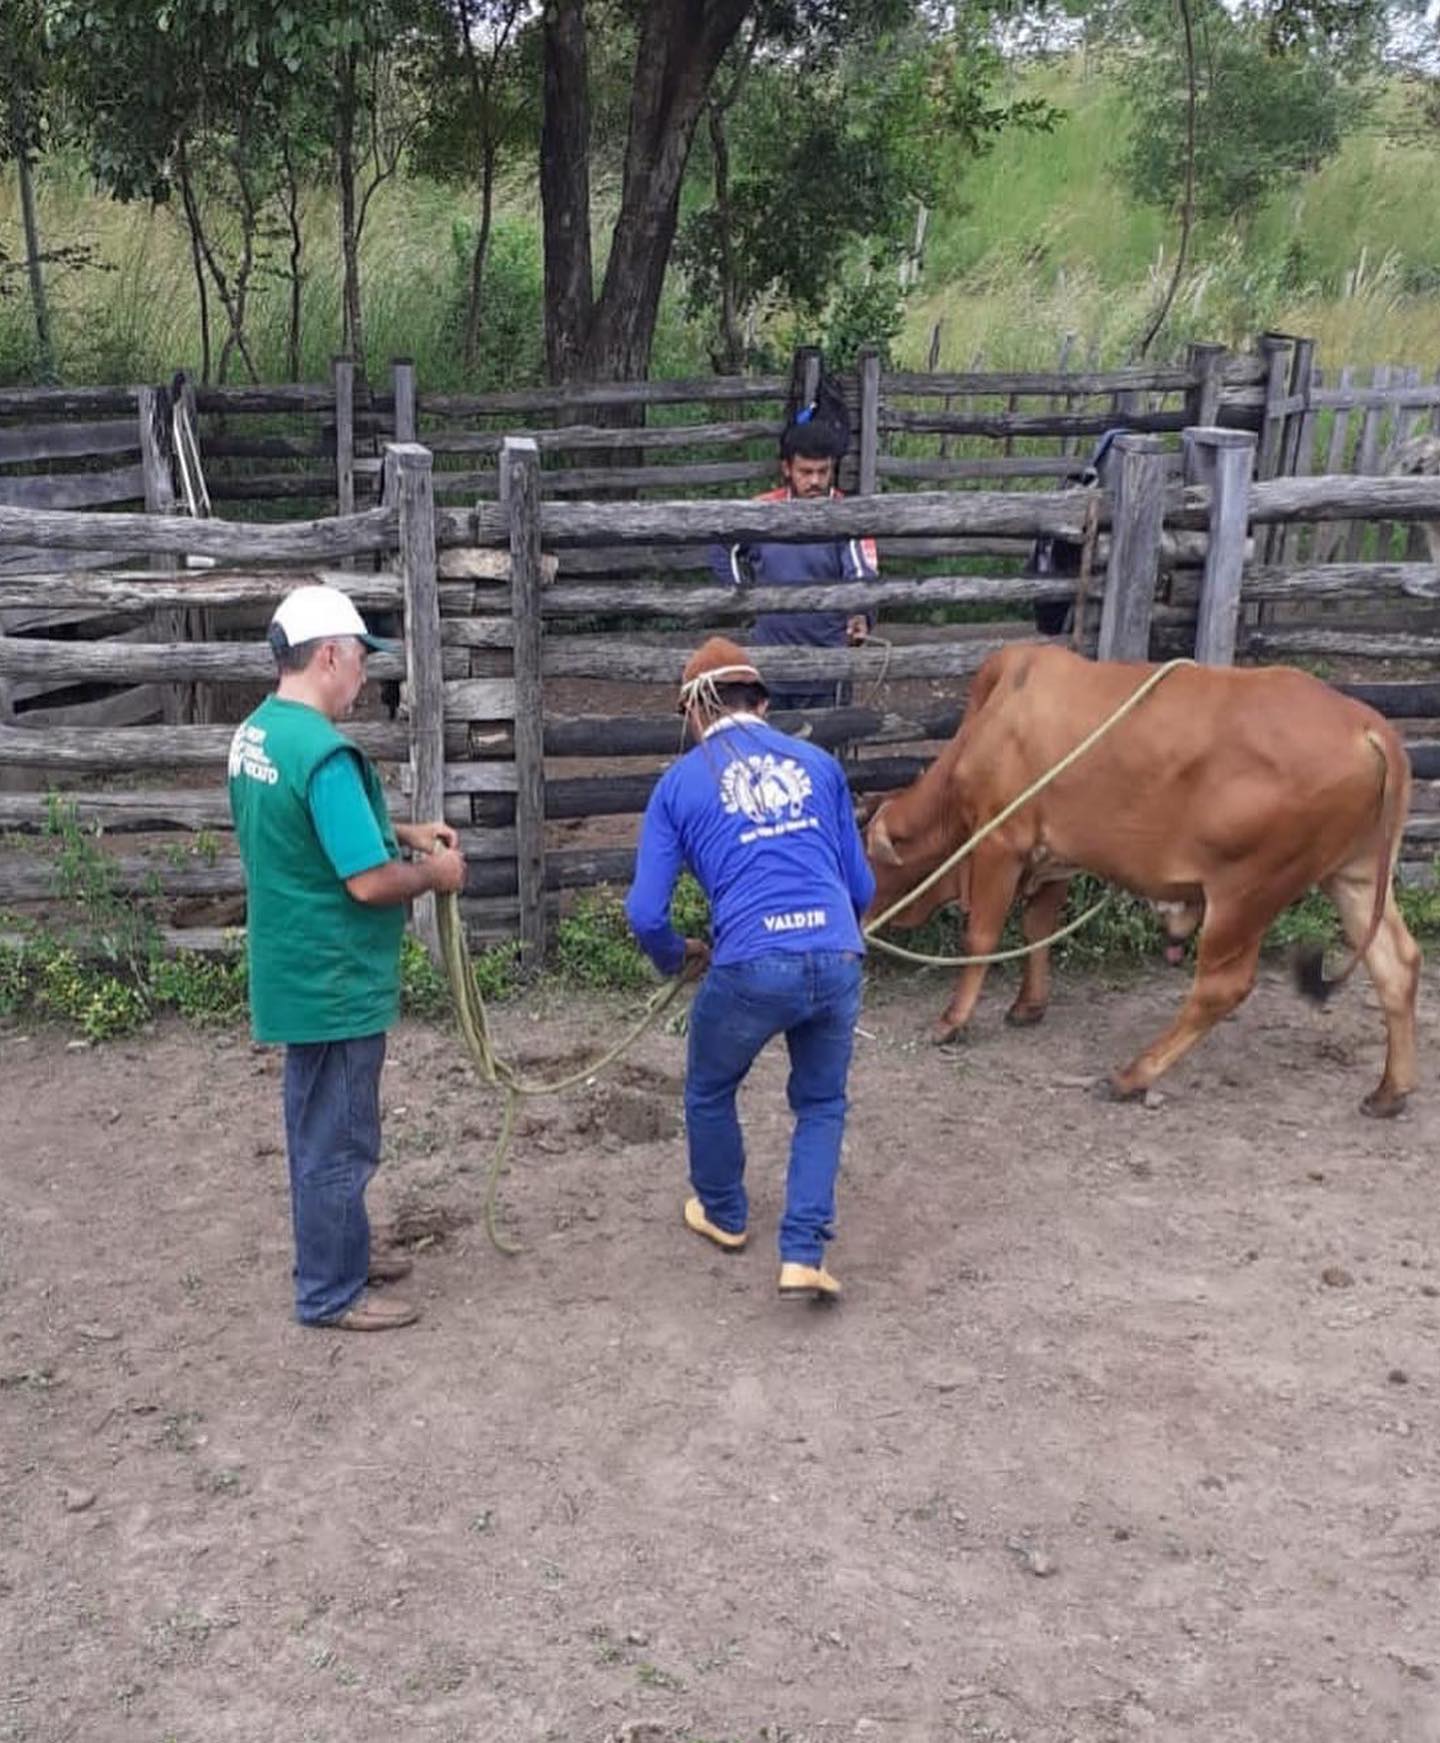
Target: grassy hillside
{"x": 1040, "y": 242}
{"x": 1043, "y": 241}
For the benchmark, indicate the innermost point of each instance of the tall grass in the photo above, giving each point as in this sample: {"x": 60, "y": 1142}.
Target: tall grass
{"x": 1036, "y": 241}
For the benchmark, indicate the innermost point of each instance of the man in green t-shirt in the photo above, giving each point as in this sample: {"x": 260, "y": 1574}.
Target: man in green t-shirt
{"x": 326, "y": 890}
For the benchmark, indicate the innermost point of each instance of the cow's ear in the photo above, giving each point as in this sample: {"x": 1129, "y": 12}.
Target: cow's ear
{"x": 881, "y": 846}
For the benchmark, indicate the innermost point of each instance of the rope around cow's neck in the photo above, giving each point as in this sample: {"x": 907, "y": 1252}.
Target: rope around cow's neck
{"x": 474, "y": 1020}
{"x": 997, "y": 821}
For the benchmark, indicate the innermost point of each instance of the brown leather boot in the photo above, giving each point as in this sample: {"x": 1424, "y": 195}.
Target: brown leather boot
{"x": 373, "y": 1313}
{"x": 389, "y": 1267}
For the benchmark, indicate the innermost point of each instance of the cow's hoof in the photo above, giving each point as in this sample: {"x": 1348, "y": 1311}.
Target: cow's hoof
{"x": 1384, "y": 1104}
{"x": 1117, "y": 1088}
{"x": 947, "y": 1034}
{"x": 1025, "y": 1016}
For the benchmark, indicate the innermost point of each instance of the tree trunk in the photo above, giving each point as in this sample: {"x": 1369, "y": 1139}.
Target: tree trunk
{"x": 21, "y": 147}
{"x": 295, "y": 273}
{"x": 197, "y": 260}
{"x": 347, "y": 104}
{"x": 477, "y": 259}
{"x": 680, "y": 48}
{"x": 565, "y": 188}
{"x": 731, "y": 360}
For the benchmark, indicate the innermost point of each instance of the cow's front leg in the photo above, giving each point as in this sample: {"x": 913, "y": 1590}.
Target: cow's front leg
{"x": 1224, "y": 974}
{"x": 993, "y": 882}
{"x": 1039, "y": 920}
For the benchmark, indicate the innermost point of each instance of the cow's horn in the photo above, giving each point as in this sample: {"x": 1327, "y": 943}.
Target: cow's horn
{"x": 880, "y": 840}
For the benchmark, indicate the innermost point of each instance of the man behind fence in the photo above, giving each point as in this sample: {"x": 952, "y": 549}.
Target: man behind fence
{"x": 812, "y": 445}
{"x": 766, "y": 825}
{"x": 326, "y": 890}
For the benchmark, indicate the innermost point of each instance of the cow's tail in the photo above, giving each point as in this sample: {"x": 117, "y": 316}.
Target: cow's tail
{"x": 1310, "y": 974}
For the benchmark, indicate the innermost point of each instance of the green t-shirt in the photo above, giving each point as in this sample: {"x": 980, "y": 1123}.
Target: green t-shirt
{"x": 323, "y": 967}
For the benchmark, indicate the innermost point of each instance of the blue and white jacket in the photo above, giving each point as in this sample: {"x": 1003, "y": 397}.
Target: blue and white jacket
{"x": 777, "y": 565}
{"x": 765, "y": 823}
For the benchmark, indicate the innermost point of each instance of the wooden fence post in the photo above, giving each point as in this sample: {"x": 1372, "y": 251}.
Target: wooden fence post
{"x": 402, "y": 378}
{"x": 520, "y": 494}
{"x": 409, "y": 486}
{"x": 1222, "y": 459}
{"x": 1134, "y": 548}
{"x": 342, "y": 371}
{"x": 177, "y": 701}
{"x": 869, "y": 481}
{"x": 805, "y": 373}
{"x": 1207, "y": 367}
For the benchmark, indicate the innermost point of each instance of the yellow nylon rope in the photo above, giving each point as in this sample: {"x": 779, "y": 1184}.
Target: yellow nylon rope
{"x": 474, "y": 1020}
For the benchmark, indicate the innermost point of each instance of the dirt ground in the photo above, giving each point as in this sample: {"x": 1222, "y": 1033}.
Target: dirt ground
{"x": 1127, "y": 1425}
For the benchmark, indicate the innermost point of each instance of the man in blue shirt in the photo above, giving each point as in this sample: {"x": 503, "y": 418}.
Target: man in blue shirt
{"x": 811, "y": 447}
{"x": 766, "y": 825}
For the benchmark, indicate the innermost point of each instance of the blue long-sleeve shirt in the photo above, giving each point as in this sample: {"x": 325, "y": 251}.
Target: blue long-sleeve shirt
{"x": 783, "y": 565}
{"x": 765, "y": 823}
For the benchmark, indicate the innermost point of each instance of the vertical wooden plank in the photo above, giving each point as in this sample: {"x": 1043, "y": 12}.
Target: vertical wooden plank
{"x": 1139, "y": 510}
{"x": 342, "y": 370}
{"x": 1300, "y": 539}
{"x": 1285, "y": 541}
{"x": 806, "y": 372}
{"x": 1062, "y": 363}
{"x": 1224, "y": 460}
{"x": 1274, "y": 350}
{"x": 1367, "y": 460}
{"x": 1411, "y": 538}
{"x": 1206, "y": 364}
{"x": 409, "y": 484}
{"x": 153, "y": 410}
{"x": 197, "y": 623}
{"x": 520, "y": 493}
{"x": 402, "y": 380}
{"x": 869, "y": 421}
{"x": 1328, "y": 534}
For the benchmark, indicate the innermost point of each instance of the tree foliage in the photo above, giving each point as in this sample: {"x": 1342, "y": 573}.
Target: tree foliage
{"x": 1264, "y": 117}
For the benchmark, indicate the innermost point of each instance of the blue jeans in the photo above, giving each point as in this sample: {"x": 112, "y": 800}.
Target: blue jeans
{"x": 332, "y": 1134}
{"x": 813, "y": 999}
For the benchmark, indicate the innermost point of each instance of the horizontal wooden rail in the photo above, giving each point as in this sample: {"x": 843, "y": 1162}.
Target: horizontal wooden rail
{"x": 140, "y": 590}
{"x": 1370, "y": 581}
{"x": 1015, "y": 514}
{"x": 612, "y": 658}
{"x": 64, "y": 402}
{"x": 695, "y": 604}
{"x": 699, "y": 475}
{"x": 1177, "y": 379}
{"x": 581, "y": 438}
{"x": 171, "y": 747}
{"x": 117, "y": 662}
{"x": 72, "y": 490}
{"x": 1002, "y": 424}
{"x": 313, "y": 541}
{"x": 28, "y": 443}
{"x": 704, "y": 391}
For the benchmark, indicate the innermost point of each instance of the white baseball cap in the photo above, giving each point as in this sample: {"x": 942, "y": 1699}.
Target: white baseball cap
{"x": 311, "y": 614}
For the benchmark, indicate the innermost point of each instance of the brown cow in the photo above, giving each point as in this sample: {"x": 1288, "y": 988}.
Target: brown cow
{"x": 1225, "y": 795}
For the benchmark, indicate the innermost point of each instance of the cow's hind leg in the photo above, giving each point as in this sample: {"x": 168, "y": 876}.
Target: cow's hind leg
{"x": 1393, "y": 961}
{"x": 1041, "y": 916}
{"x": 1224, "y": 973}
{"x": 992, "y": 889}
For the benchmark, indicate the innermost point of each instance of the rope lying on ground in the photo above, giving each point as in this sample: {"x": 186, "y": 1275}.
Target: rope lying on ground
{"x": 475, "y": 1023}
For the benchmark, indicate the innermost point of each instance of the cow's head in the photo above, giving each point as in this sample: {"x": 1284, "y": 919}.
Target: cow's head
{"x": 905, "y": 843}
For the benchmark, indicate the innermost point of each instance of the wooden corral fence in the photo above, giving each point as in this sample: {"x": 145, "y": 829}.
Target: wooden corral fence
{"x": 320, "y": 444}
{"x": 505, "y": 644}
